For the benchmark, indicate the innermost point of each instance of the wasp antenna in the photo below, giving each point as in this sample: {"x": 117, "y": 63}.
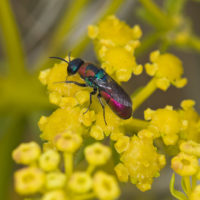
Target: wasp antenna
{"x": 60, "y": 59}
{"x": 69, "y": 55}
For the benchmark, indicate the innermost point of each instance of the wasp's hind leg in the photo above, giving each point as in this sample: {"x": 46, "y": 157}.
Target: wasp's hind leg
{"x": 103, "y": 107}
{"x": 91, "y": 93}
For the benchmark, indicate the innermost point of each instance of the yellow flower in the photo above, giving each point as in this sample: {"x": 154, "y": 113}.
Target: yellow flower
{"x": 105, "y": 186}
{"x": 142, "y": 161}
{"x": 168, "y": 123}
{"x": 87, "y": 118}
{"x": 80, "y": 182}
{"x": 122, "y": 144}
{"x": 96, "y": 132}
{"x": 191, "y": 121}
{"x": 55, "y": 180}
{"x": 60, "y": 121}
{"x": 195, "y": 195}
{"x": 122, "y": 172}
{"x": 190, "y": 147}
{"x": 97, "y": 154}
{"x": 68, "y": 141}
{"x": 113, "y": 32}
{"x": 167, "y": 68}
{"x": 29, "y": 180}
{"x": 184, "y": 164}
{"x": 26, "y": 153}
{"x": 55, "y": 195}
{"x": 49, "y": 160}
{"x": 122, "y": 68}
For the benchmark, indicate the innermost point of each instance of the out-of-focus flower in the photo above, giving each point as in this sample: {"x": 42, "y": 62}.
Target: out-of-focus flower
{"x": 68, "y": 141}
{"x": 54, "y": 195}
{"x": 105, "y": 186}
{"x": 55, "y": 180}
{"x": 97, "y": 154}
{"x": 190, "y": 147}
{"x": 49, "y": 160}
{"x": 80, "y": 182}
{"x": 167, "y": 69}
{"x": 184, "y": 164}
{"x": 29, "y": 180}
{"x": 142, "y": 161}
{"x": 26, "y": 153}
{"x": 195, "y": 195}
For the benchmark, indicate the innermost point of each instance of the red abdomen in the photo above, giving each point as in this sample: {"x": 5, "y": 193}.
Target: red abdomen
{"x": 122, "y": 110}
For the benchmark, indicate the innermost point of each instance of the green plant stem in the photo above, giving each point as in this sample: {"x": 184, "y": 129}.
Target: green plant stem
{"x": 11, "y": 40}
{"x": 12, "y": 132}
{"x": 68, "y": 163}
{"x": 134, "y": 125}
{"x": 194, "y": 181}
{"x": 158, "y": 14}
{"x": 147, "y": 42}
{"x": 174, "y": 7}
{"x": 66, "y": 24}
{"x": 143, "y": 94}
{"x": 84, "y": 41}
{"x": 186, "y": 180}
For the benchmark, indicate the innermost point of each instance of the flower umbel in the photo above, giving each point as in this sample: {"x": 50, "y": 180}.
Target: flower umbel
{"x": 83, "y": 151}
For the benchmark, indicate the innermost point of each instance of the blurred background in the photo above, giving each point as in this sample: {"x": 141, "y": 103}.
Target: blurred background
{"x": 31, "y": 31}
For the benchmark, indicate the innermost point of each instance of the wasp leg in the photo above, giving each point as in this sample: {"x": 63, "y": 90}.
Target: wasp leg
{"x": 76, "y": 83}
{"x": 103, "y": 107}
{"x": 91, "y": 93}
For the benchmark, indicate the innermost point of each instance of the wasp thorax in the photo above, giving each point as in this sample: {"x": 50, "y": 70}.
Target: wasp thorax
{"x": 74, "y": 65}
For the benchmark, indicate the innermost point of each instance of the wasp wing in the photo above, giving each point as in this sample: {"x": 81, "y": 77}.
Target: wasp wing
{"x": 111, "y": 87}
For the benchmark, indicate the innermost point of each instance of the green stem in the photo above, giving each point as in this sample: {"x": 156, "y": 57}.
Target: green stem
{"x": 147, "y": 42}
{"x": 186, "y": 180}
{"x": 65, "y": 25}
{"x": 156, "y": 12}
{"x": 134, "y": 124}
{"x": 143, "y": 94}
{"x": 68, "y": 164}
{"x": 174, "y": 7}
{"x": 194, "y": 182}
{"x": 12, "y": 132}
{"x": 84, "y": 41}
{"x": 11, "y": 40}
{"x": 90, "y": 169}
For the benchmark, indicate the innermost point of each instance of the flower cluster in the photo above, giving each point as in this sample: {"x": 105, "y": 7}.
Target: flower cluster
{"x": 43, "y": 174}
{"x": 112, "y": 38}
{"x": 71, "y": 132}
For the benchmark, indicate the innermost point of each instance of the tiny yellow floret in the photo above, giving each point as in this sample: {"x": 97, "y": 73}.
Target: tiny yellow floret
{"x": 80, "y": 182}
{"x": 54, "y": 195}
{"x": 68, "y": 141}
{"x": 55, "y": 180}
{"x": 29, "y": 180}
{"x": 122, "y": 172}
{"x": 105, "y": 186}
{"x": 97, "y": 154}
{"x": 26, "y": 153}
{"x": 49, "y": 160}
{"x": 184, "y": 164}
